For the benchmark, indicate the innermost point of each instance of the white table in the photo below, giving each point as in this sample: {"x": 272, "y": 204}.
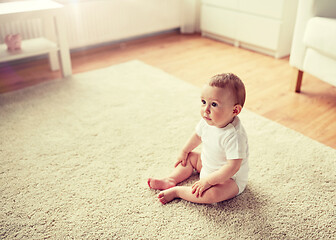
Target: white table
{"x": 54, "y": 41}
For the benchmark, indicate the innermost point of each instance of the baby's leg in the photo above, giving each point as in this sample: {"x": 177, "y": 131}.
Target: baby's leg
{"x": 179, "y": 173}
{"x": 214, "y": 194}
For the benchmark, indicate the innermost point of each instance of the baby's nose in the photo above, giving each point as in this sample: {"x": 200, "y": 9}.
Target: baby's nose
{"x": 207, "y": 110}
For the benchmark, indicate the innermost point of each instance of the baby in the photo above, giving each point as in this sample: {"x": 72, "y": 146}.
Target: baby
{"x": 223, "y": 162}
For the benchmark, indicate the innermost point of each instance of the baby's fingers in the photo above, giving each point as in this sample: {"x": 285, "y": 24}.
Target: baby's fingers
{"x": 178, "y": 162}
{"x": 200, "y": 192}
{"x": 193, "y": 189}
{"x": 196, "y": 189}
{"x": 183, "y": 163}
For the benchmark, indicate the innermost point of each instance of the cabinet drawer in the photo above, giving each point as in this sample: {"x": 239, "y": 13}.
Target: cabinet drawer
{"x": 267, "y": 8}
{"x": 231, "y": 4}
{"x": 218, "y": 21}
{"x": 259, "y": 31}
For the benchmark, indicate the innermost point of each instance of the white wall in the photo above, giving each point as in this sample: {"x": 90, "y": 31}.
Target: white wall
{"x": 94, "y": 22}
{"x": 91, "y": 22}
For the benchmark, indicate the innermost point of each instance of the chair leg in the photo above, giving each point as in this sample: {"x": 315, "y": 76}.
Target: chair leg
{"x": 298, "y": 81}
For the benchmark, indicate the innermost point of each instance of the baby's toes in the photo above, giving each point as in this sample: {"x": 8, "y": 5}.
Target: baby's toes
{"x": 161, "y": 198}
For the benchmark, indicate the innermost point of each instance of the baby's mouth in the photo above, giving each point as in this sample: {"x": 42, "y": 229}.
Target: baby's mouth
{"x": 207, "y": 118}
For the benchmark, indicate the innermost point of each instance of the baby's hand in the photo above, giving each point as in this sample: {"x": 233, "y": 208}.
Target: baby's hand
{"x": 182, "y": 159}
{"x": 200, "y": 187}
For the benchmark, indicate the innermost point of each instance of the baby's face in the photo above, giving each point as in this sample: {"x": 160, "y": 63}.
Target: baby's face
{"x": 217, "y": 106}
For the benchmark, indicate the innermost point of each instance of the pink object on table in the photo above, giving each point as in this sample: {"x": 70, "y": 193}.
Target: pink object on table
{"x": 13, "y": 42}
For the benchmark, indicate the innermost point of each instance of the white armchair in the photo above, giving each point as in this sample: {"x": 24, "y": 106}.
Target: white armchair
{"x": 314, "y": 41}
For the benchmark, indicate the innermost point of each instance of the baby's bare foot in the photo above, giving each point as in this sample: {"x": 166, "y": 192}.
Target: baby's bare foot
{"x": 161, "y": 184}
{"x": 167, "y": 195}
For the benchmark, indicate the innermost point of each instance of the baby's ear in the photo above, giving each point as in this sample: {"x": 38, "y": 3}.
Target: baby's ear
{"x": 237, "y": 109}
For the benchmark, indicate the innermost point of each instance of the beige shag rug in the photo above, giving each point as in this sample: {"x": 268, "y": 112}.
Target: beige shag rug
{"x": 75, "y": 156}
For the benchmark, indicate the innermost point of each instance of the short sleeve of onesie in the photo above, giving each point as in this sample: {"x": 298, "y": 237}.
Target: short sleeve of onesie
{"x": 234, "y": 148}
{"x": 199, "y": 127}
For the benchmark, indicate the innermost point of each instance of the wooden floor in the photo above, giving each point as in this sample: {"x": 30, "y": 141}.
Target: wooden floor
{"x": 194, "y": 59}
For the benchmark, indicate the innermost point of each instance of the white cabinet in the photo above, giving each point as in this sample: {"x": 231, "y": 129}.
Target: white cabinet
{"x": 54, "y": 43}
{"x": 261, "y": 25}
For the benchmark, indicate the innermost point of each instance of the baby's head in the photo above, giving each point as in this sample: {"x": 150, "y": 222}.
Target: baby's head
{"x": 233, "y": 84}
{"x": 222, "y": 99}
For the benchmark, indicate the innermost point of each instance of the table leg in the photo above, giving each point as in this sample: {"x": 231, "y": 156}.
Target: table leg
{"x": 63, "y": 46}
{"x": 49, "y": 33}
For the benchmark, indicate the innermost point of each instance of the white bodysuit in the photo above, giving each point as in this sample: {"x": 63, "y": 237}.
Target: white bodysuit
{"x": 221, "y": 144}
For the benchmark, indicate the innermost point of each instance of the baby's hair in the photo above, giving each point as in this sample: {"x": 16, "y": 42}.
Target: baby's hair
{"x": 231, "y": 82}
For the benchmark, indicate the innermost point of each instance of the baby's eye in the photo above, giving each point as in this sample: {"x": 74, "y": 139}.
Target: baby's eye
{"x": 203, "y": 102}
{"x": 214, "y": 104}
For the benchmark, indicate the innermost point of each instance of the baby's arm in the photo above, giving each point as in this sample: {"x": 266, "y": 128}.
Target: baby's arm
{"x": 193, "y": 142}
{"x": 218, "y": 177}
{"x": 225, "y": 172}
